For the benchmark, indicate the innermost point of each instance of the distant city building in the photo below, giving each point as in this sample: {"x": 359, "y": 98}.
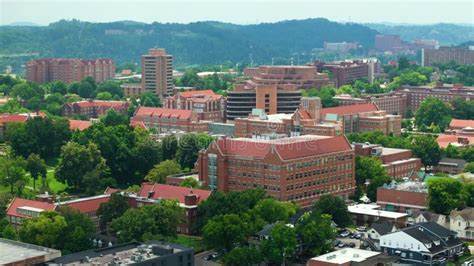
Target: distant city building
{"x": 15, "y": 253}
{"x": 132, "y": 89}
{"x": 444, "y": 92}
{"x": 157, "y": 72}
{"x": 299, "y": 169}
{"x": 94, "y": 108}
{"x": 341, "y": 47}
{"x": 205, "y": 104}
{"x": 391, "y": 43}
{"x": 272, "y": 99}
{"x": 69, "y": 69}
{"x": 303, "y": 77}
{"x": 149, "y": 253}
{"x": 310, "y": 118}
{"x": 399, "y": 163}
{"x": 168, "y": 120}
{"x": 347, "y": 72}
{"x": 391, "y": 103}
{"x": 424, "y": 44}
{"x": 408, "y": 197}
{"x": 444, "y": 55}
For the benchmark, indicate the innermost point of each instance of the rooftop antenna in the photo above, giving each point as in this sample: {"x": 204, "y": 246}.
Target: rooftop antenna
{"x": 273, "y": 60}
{"x": 291, "y": 60}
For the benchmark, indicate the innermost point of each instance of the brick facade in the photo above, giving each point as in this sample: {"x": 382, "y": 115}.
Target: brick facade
{"x": 94, "y": 109}
{"x": 205, "y": 104}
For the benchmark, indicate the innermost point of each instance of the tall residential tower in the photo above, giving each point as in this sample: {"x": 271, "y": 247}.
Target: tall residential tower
{"x": 157, "y": 72}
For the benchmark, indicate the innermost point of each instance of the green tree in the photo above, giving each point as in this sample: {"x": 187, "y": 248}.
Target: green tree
{"x": 82, "y": 167}
{"x": 243, "y": 256}
{"x": 426, "y": 148}
{"x": 73, "y": 88}
{"x": 77, "y": 234}
{"x": 403, "y": 63}
{"x": 27, "y": 91}
{"x": 281, "y": 244}
{"x": 469, "y": 167}
{"x": 189, "y": 146}
{"x": 12, "y": 173}
{"x": 36, "y": 166}
{"x": 45, "y": 230}
{"x": 462, "y": 109}
{"x": 433, "y": 111}
{"x": 106, "y": 96}
{"x": 190, "y": 182}
{"x": 85, "y": 90}
{"x": 113, "y": 118}
{"x": 59, "y": 86}
{"x": 169, "y": 145}
{"x": 326, "y": 93}
{"x": 113, "y": 209}
{"x": 165, "y": 168}
{"x": 444, "y": 195}
{"x": 316, "y": 233}
{"x": 156, "y": 221}
{"x": 334, "y": 206}
{"x": 370, "y": 169}
{"x": 468, "y": 191}
{"x": 6, "y": 230}
{"x": 375, "y": 183}
{"x": 224, "y": 231}
{"x": 150, "y": 100}
{"x": 273, "y": 211}
{"x": 110, "y": 87}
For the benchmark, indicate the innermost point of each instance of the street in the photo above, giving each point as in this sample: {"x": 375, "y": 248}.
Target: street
{"x": 199, "y": 259}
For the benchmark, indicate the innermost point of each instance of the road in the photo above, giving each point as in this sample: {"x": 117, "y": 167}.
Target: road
{"x": 348, "y": 240}
{"x": 199, "y": 259}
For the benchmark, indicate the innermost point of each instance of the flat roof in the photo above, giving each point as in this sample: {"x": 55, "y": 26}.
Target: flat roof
{"x": 14, "y": 251}
{"x": 374, "y": 210}
{"x": 346, "y": 255}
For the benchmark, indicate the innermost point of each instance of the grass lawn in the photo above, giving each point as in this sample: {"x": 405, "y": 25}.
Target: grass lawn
{"x": 190, "y": 241}
{"x": 54, "y": 184}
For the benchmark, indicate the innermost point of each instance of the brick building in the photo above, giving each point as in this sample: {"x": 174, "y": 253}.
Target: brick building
{"x": 6, "y": 119}
{"x": 299, "y": 169}
{"x": 132, "y": 89}
{"x": 391, "y": 103}
{"x": 444, "y": 55}
{"x": 168, "y": 120}
{"x": 399, "y": 163}
{"x": 347, "y": 72}
{"x": 310, "y": 118}
{"x": 391, "y": 43}
{"x": 205, "y": 104}
{"x": 303, "y": 77}
{"x": 188, "y": 198}
{"x": 272, "y": 99}
{"x": 94, "y": 108}
{"x": 408, "y": 197}
{"x": 69, "y": 69}
{"x": 157, "y": 72}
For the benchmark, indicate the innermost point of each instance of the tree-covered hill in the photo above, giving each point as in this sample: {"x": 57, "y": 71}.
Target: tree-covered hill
{"x": 194, "y": 43}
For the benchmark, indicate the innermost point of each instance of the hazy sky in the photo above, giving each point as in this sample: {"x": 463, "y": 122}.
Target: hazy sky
{"x": 241, "y": 12}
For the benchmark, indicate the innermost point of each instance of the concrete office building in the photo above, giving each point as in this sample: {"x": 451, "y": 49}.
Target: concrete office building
{"x": 390, "y": 43}
{"x": 444, "y": 55}
{"x": 157, "y": 72}
{"x": 299, "y": 169}
{"x": 69, "y": 69}
{"x": 342, "y": 47}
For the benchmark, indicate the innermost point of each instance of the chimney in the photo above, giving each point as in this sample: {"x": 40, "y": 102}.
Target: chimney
{"x": 463, "y": 140}
{"x": 191, "y": 199}
{"x": 150, "y": 194}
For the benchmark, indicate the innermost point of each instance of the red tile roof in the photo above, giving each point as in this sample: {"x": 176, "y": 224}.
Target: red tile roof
{"x": 87, "y": 205}
{"x": 111, "y": 190}
{"x": 137, "y": 122}
{"x": 349, "y": 109}
{"x": 460, "y": 124}
{"x": 85, "y": 104}
{"x": 79, "y": 124}
{"x": 11, "y": 118}
{"x": 287, "y": 148}
{"x": 163, "y": 112}
{"x": 187, "y": 94}
{"x": 445, "y": 139}
{"x": 19, "y": 202}
{"x": 172, "y": 192}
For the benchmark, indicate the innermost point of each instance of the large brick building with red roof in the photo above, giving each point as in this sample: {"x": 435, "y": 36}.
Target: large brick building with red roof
{"x": 93, "y": 108}
{"x": 168, "y": 120}
{"x": 205, "y": 104}
{"x": 299, "y": 169}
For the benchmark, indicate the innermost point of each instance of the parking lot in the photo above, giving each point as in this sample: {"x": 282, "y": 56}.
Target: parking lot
{"x": 348, "y": 239}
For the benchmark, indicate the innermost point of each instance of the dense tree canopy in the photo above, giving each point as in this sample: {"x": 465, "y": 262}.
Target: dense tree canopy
{"x": 433, "y": 111}
{"x": 445, "y": 194}
{"x": 113, "y": 209}
{"x": 160, "y": 171}
{"x": 281, "y": 244}
{"x": 36, "y": 166}
{"x": 317, "y": 233}
{"x": 334, "y": 206}
{"x": 426, "y": 148}
{"x": 326, "y": 94}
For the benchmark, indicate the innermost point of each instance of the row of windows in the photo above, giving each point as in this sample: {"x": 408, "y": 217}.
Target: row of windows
{"x": 318, "y": 182}
{"x": 315, "y": 193}
{"x": 238, "y": 183}
{"x": 341, "y": 167}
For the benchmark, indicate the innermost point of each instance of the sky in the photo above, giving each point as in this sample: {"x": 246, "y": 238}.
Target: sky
{"x": 44, "y": 12}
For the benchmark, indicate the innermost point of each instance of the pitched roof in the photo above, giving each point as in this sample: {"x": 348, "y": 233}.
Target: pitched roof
{"x": 445, "y": 139}
{"x": 161, "y": 191}
{"x": 19, "y": 202}
{"x": 79, "y": 124}
{"x": 435, "y": 229}
{"x": 461, "y": 123}
{"x": 163, "y": 112}
{"x": 187, "y": 94}
{"x": 382, "y": 228}
{"x": 349, "y": 109}
{"x": 467, "y": 214}
{"x": 86, "y": 205}
{"x": 11, "y": 118}
{"x": 287, "y": 148}
{"x": 106, "y": 104}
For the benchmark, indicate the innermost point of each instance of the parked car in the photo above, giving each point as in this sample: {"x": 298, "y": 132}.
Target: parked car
{"x": 345, "y": 234}
{"x": 337, "y": 242}
{"x": 352, "y": 245}
{"x": 341, "y": 245}
{"x": 358, "y": 236}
